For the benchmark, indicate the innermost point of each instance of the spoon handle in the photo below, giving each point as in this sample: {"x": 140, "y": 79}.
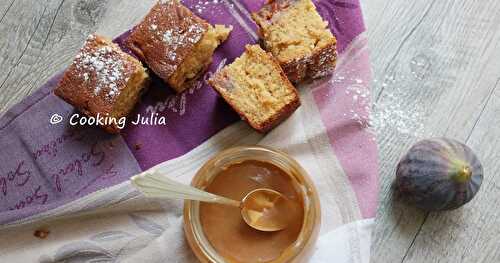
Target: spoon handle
{"x": 155, "y": 185}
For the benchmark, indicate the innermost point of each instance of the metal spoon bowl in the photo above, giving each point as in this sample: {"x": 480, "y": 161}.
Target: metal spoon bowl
{"x": 265, "y": 210}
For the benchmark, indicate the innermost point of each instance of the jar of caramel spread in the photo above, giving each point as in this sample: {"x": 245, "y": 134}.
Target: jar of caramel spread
{"x": 218, "y": 234}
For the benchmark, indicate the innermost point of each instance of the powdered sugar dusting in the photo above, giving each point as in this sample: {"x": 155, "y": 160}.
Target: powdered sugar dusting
{"x": 176, "y": 37}
{"x": 195, "y": 29}
{"x": 103, "y": 64}
{"x": 168, "y": 37}
{"x": 391, "y": 111}
{"x": 386, "y": 113}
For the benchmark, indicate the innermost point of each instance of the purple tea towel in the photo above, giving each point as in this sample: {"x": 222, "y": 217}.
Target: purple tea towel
{"x": 43, "y": 165}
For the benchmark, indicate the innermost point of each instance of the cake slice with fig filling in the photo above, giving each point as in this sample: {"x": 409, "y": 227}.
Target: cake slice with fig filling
{"x": 176, "y": 44}
{"x": 256, "y": 87}
{"x": 103, "y": 81}
{"x": 294, "y": 32}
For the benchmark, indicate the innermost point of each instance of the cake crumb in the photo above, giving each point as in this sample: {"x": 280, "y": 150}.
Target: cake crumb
{"x": 41, "y": 233}
{"x": 255, "y": 86}
{"x": 137, "y": 146}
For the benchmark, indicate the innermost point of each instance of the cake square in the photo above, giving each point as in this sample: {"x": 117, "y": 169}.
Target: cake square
{"x": 103, "y": 80}
{"x": 294, "y": 32}
{"x": 257, "y": 88}
{"x": 176, "y": 44}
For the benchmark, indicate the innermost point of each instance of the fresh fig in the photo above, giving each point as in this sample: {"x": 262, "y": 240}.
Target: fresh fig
{"x": 439, "y": 174}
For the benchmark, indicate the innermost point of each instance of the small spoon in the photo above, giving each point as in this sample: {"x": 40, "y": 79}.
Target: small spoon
{"x": 262, "y": 209}
{"x": 266, "y": 210}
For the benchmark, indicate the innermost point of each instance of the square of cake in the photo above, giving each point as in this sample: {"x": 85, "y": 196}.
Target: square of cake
{"x": 294, "y": 32}
{"x": 176, "y": 44}
{"x": 103, "y": 80}
{"x": 257, "y": 88}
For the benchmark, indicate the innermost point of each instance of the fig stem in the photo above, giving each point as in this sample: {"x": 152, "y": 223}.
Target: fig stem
{"x": 464, "y": 174}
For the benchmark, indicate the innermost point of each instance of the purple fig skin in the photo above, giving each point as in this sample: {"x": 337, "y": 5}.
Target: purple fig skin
{"x": 439, "y": 174}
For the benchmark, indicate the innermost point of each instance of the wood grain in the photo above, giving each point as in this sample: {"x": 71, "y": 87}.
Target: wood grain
{"x": 453, "y": 94}
{"x": 439, "y": 60}
{"x": 40, "y": 38}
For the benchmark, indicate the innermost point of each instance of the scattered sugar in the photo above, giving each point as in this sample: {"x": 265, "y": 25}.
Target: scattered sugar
{"x": 420, "y": 66}
{"x": 153, "y": 27}
{"x": 201, "y": 6}
{"x": 390, "y": 112}
{"x": 108, "y": 70}
{"x": 207, "y": 7}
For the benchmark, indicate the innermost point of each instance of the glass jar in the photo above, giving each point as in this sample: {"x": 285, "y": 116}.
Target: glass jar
{"x": 301, "y": 249}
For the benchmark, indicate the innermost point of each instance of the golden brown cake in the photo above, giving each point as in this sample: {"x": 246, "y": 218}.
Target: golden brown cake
{"x": 294, "y": 32}
{"x": 257, "y": 88}
{"x": 103, "y": 80}
{"x": 176, "y": 44}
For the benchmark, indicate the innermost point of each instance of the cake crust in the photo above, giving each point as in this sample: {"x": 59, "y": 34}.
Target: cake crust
{"x": 98, "y": 76}
{"x": 320, "y": 62}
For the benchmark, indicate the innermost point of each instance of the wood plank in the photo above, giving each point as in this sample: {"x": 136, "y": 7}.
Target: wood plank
{"x": 470, "y": 234}
{"x": 39, "y": 39}
{"x": 118, "y": 20}
{"x": 396, "y": 225}
{"x": 45, "y": 38}
{"x": 440, "y": 81}
{"x": 18, "y": 28}
{"x": 436, "y": 60}
{"x": 4, "y": 8}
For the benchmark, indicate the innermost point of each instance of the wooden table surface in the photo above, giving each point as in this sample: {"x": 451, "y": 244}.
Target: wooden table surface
{"x": 437, "y": 73}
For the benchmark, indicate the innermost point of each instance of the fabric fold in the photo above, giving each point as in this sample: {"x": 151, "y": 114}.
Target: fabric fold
{"x": 93, "y": 213}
